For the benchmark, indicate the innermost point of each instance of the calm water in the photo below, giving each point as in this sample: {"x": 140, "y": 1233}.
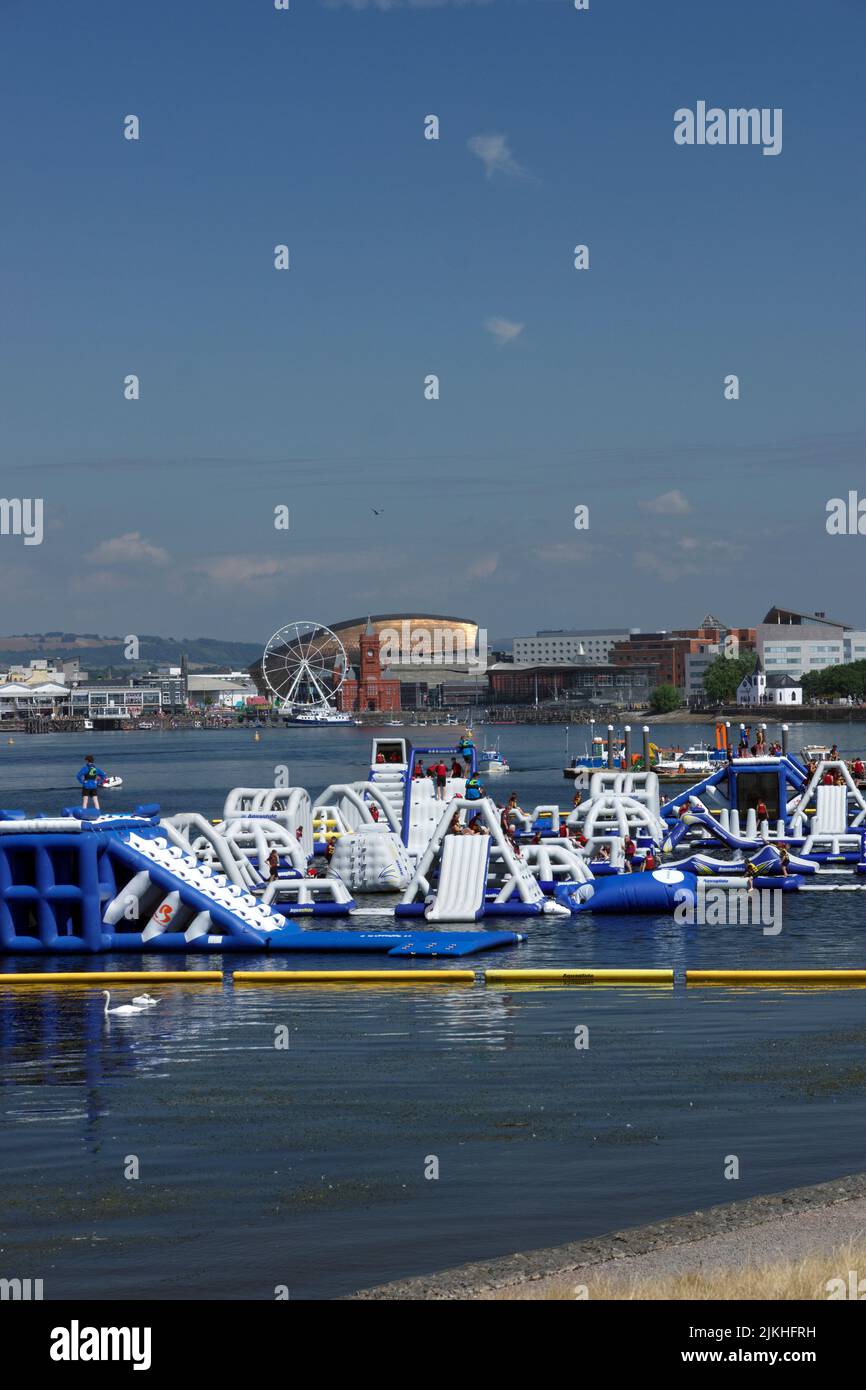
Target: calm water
{"x": 304, "y": 1166}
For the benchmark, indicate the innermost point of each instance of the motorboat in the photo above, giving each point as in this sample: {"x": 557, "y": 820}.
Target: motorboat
{"x": 319, "y": 715}
{"x": 491, "y": 763}
{"x": 697, "y": 760}
{"x": 815, "y": 752}
{"x": 595, "y": 758}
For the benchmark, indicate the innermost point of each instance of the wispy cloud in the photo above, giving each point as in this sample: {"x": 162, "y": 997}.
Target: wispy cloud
{"x": 689, "y": 555}
{"x": 503, "y": 330}
{"x": 672, "y": 503}
{"x": 237, "y": 569}
{"x": 495, "y": 155}
{"x": 563, "y": 553}
{"x": 130, "y": 548}
{"x": 483, "y": 567}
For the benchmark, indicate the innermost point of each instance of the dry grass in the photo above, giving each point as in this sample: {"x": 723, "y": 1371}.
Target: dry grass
{"x": 801, "y": 1279}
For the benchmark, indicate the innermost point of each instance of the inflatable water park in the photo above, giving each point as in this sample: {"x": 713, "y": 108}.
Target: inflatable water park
{"x": 419, "y": 840}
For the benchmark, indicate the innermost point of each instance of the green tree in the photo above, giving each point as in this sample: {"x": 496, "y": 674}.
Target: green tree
{"x": 722, "y": 677}
{"x": 836, "y": 682}
{"x": 664, "y": 699}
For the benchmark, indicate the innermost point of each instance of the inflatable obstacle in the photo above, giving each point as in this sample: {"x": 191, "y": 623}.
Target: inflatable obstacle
{"x": 767, "y": 858}
{"x": 658, "y": 891}
{"x": 371, "y": 859}
{"x": 461, "y": 878}
{"x": 398, "y": 943}
{"x": 288, "y": 807}
{"x": 88, "y": 883}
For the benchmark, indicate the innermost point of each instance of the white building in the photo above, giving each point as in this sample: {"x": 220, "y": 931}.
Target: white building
{"x": 592, "y": 643}
{"x": 42, "y": 670}
{"x": 227, "y": 689}
{"x": 793, "y": 644}
{"x": 762, "y": 689}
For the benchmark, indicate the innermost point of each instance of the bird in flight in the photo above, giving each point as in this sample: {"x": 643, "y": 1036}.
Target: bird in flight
{"x": 378, "y": 513}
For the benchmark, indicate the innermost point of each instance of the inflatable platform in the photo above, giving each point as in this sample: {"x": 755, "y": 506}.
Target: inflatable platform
{"x": 84, "y": 882}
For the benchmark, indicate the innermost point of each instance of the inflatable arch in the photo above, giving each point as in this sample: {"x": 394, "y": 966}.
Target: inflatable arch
{"x": 352, "y": 800}
{"x": 288, "y": 806}
{"x": 614, "y": 813}
{"x": 638, "y": 786}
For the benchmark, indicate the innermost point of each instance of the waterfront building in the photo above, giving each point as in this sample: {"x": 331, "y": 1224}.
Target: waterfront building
{"x": 762, "y": 689}
{"x": 683, "y": 655}
{"x": 111, "y": 702}
{"x": 550, "y": 644}
{"x": 222, "y": 689}
{"x": 696, "y": 664}
{"x": 793, "y": 644}
{"x": 42, "y": 669}
{"x": 371, "y": 686}
{"x": 580, "y": 682}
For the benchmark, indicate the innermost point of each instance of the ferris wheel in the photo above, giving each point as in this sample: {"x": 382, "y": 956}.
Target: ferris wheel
{"x": 304, "y": 664}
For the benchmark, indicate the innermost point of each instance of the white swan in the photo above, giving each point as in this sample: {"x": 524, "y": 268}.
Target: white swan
{"x": 125, "y": 1009}
{"x": 145, "y": 1000}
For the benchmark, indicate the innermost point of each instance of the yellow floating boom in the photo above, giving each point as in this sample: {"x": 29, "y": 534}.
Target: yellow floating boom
{"x": 776, "y": 977}
{"x": 354, "y": 977}
{"x": 580, "y": 975}
{"x": 114, "y": 977}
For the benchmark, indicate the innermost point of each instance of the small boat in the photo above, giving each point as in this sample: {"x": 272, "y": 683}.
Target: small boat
{"x": 491, "y": 763}
{"x": 698, "y": 760}
{"x": 820, "y": 752}
{"x": 110, "y": 783}
{"x": 595, "y": 758}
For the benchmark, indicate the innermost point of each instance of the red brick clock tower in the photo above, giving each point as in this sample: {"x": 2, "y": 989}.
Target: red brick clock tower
{"x": 372, "y": 688}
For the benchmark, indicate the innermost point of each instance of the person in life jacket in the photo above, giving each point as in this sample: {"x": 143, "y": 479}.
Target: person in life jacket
{"x": 91, "y": 778}
{"x": 474, "y": 789}
{"x": 466, "y": 748}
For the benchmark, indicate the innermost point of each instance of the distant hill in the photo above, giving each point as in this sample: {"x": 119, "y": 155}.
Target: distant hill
{"x": 95, "y": 651}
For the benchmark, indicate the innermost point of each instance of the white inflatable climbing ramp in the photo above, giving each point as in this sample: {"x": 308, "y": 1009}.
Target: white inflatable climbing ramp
{"x": 462, "y": 879}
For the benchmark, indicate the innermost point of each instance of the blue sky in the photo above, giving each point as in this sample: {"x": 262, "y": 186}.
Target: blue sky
{"x": 305, "y": 388}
